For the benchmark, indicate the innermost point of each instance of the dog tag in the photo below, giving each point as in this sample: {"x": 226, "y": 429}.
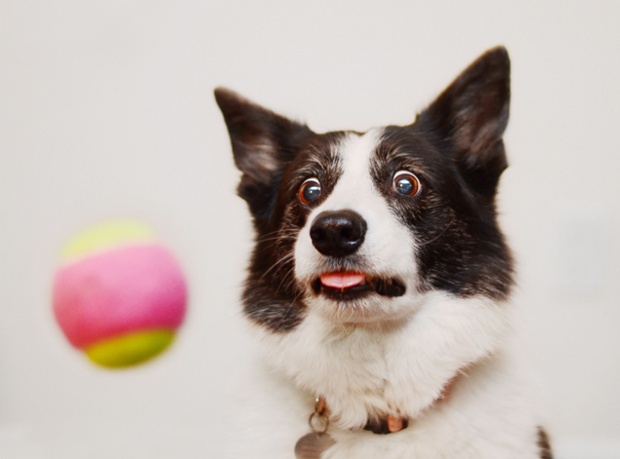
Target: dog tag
{"x": 312, "y": 445}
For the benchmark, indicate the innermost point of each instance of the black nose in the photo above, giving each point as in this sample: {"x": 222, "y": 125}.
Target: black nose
{"x": 338, "y": 233}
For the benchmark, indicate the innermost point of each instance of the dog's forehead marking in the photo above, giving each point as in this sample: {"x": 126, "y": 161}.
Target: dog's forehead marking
{"x": 355, "y": 183}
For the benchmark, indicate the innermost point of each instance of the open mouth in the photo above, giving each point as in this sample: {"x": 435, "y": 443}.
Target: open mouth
{"x": 344, "y": 286}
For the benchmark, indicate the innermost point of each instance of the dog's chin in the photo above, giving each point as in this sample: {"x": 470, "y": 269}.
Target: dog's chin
{"x": 357, "y": 299}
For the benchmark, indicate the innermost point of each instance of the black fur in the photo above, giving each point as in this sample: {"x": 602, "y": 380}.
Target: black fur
{"x": 543, "y": 444}
{"x": 271, "y": 297}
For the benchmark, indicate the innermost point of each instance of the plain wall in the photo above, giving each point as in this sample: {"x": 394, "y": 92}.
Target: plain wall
{"x": 106, "y": 111}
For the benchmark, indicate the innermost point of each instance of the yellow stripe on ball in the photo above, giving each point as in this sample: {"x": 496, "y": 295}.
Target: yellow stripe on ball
{"x": 108, "y": 235}
{"x": 129, "y": 349}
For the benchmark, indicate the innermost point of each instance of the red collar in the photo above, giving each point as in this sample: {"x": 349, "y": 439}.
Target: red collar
{"x": 386, "y": 425}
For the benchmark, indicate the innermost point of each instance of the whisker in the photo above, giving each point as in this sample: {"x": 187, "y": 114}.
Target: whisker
{"x": 278, "y": 236}
{"x": 441, "y": 233}
{"x": 288, "y": 257}
{"x": 289, "y": 277}
{"x": 290, "y": 307}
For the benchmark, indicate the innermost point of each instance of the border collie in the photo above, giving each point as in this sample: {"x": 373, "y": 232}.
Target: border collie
{"x": 380, "y": 282}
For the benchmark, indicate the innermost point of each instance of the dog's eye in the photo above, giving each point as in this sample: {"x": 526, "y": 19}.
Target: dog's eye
{"x": 309, "y": 191}
{"x": 406, "y": 183}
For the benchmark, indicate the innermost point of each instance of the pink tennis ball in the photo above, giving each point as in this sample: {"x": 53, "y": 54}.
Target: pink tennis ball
{"x": 119, "y": 294}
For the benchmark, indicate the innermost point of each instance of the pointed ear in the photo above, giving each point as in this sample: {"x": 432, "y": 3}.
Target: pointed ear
{"x": 471, "y": 116}
{"x": 263, "y": 143}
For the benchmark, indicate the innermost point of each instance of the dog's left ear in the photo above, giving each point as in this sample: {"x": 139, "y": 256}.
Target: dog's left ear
{"x": 470, "y": 117}
{"x": 263, "y": 143}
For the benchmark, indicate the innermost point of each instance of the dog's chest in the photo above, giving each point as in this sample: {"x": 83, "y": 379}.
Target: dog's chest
{"x": 484, "y": 417}
{"x": 375, "y": 373}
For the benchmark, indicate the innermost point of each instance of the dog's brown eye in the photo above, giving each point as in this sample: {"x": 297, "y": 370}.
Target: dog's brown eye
{"x": 406, "y": 183}
{"x": 309, "y": 191}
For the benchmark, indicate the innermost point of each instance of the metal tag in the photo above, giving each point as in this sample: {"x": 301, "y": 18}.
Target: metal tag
{"x": 312, "y": 445}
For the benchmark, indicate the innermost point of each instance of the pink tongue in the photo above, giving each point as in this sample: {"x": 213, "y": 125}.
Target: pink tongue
{"x": 342, "y": 280}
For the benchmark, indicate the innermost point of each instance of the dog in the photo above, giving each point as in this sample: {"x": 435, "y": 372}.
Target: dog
{"x": 380, "y": 282}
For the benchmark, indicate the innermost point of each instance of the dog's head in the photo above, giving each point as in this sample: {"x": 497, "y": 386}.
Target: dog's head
{"x": 359, "y": 226}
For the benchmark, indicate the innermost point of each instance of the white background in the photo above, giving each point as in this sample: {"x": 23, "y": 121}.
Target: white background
{"x": 106, "y": 111}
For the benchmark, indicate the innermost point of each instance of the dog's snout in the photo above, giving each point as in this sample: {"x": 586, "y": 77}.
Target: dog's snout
{"x": 338, "y": 233}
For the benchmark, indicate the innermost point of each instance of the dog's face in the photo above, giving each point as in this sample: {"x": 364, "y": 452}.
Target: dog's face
{"x": 357, "y": 227}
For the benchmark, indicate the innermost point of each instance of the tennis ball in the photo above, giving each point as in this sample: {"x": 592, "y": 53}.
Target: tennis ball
{"x": 119, "y": 295}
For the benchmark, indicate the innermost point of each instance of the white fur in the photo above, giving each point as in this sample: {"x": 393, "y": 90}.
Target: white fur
{"x": 486, "y": 415}
{"x": 401, "y": 370}
{"x": 399, "y": 365}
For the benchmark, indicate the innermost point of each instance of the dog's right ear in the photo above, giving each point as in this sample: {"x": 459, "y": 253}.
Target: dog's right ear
{"x": 263, "y": 143}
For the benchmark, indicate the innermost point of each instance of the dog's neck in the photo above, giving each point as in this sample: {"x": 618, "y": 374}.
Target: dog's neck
{"x": 387, "y": 424}
{"x": 312, "y": 445}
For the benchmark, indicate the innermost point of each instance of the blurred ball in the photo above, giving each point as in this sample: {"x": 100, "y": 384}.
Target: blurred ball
{"x": 119, "y": 294}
